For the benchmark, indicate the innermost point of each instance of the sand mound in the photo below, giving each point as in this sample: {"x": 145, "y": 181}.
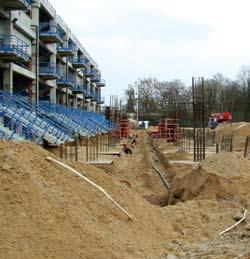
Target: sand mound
{"x": 46, "y": 212}
{"x": 199, "y": 184}
{"x": 178, "y": 155}
{"x": 229, "y": 165}
{"x": 223, "y": 176}
{"x": 237, "y": 129}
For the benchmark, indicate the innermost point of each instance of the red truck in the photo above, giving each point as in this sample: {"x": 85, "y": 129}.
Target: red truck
{"x": 218, "y": 117}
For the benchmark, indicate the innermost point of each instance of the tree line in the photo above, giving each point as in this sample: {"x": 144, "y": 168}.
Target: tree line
{"x": 171, "y": 99}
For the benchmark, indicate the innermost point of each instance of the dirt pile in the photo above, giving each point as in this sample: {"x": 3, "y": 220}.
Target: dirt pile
{"x": 46, "y": 212}
{"x": 223, "y": 176}
{"x": 199, "y": 184}
{"x": 237, "y": 129}
{"x": 229, "y": 165}
{"x": 178, "y": 155}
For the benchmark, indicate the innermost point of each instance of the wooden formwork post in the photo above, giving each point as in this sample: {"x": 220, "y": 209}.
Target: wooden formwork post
{"x": 87, "y": 149}
{"x": 91, "y": 148}
{"x": 246, "y": 146}
{"x": 217, "y": 148}
{"x": 106, "y": 142}
{"x": 96, "y": 146}
{"x": 76, "y": 148}
{"x": 102, "y": 143}
{"x": 61, "y": 151}
{"x": 221, "y": 142}
{"x": 231, "y": 143}
{"x": 72, "y": 152}
{"x": 66, "y": 151}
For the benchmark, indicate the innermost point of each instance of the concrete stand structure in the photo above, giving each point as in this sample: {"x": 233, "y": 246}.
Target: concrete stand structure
{"x": 41, "y": 58}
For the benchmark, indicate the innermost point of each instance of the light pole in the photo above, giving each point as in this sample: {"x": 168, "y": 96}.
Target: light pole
{"x": 137, "y": 103}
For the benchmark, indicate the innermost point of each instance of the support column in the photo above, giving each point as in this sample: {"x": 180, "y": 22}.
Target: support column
{"x": 8, "y": 79}
{"x": 75, "y": 102}
{"x": 8, "y": 72}
{"x": 53, "y": 61}
{"x": 35, "y": 51}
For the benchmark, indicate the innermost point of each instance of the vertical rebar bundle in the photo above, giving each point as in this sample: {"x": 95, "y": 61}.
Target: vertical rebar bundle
{"x": 199, "y": 121}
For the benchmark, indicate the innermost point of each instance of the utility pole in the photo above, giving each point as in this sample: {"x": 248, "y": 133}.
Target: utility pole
{"x": 137, "y": 103}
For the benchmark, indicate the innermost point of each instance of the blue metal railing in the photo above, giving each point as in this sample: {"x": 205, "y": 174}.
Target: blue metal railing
{"x": 87, "y": 92}
{"x": 48, "y": 68}
{"x": 15, "y": 5}
{"x": 96, "y": 79}
{"x": 79, "y": 87}
{"x": 63, "y": 78}
{"x": 89, "y": 72}
{"x": 2, "y": 134}
{"x": 64, "y": 47}
{"x": 50, "y": 29}
{"x": 101, "y": 83}
{"x": 12, "y": 44}
{"x": 27, "y": 2}
{"x": 78, "y": 60}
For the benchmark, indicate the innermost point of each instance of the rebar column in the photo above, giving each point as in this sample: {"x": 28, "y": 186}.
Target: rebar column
{"x": 199, "y": 121}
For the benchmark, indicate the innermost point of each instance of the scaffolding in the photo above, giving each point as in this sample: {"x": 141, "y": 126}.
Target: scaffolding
{"x": 124, "y": 128}
{"x": 168, "y": 129}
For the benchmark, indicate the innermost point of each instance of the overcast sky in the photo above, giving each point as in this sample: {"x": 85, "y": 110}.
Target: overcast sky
{"x": 166, "y": 39}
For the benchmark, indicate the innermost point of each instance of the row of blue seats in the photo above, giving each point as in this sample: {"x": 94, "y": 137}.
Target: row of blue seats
{"x": 53, "y": 123}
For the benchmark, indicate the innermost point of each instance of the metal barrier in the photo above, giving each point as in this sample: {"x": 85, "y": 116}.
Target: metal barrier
{"x": 50, "y": 32}
{"x": 78, "y": 62}
{"x": 48, "y": 70}
{"x": 227, "y": 143}
{"x": 102, "y": 83}
{"x": 12, "y": 45}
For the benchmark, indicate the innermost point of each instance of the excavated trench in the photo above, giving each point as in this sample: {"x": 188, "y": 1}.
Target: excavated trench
{"x": 148, "y": 172}
{"x": 159, "y": 169}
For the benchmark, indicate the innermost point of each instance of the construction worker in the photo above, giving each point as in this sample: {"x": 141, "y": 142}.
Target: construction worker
{"x": 133, "y": 140}
{"x": 126, "y": 149}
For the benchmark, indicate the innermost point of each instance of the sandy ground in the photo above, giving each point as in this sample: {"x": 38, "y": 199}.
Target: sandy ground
{"x": 46, "y": 212}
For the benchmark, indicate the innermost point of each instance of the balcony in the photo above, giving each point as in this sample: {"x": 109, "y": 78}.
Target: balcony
{"x": 48, "y": 71}
{"x": 98, "y": 99}
{"x": 50, "y": 33}
{"x": 96, "y": 79}
{"x": 13, "y": 49}
{"x": 101, "y": 83}
{"x": 78, "y": 88}
{"x": 101, "y": 100}
{"x": 89, "y": 73}
{"x": 78, "y": 62}
{"x": 64, "y": 80}
{"x": 16, "y": 4}
{"x": 88, "y": 94}
{"x": 64, "y": 51}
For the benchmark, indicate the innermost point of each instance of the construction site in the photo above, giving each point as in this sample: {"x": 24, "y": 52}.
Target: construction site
{"x": 80, "y": 179}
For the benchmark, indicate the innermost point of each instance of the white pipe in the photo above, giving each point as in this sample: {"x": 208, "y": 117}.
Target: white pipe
{"x": 91, "y": 183}
{"x": 236, "y": 224}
